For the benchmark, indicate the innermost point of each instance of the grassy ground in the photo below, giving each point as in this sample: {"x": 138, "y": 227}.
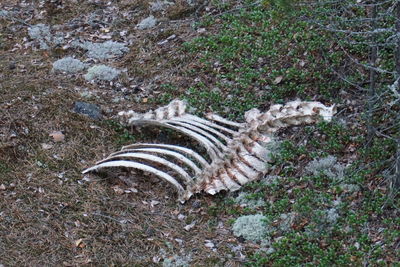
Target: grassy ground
{"x": 226, "y": 56}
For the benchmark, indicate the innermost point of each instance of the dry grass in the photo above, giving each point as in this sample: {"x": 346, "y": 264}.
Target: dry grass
{"x": 48, "y": 214}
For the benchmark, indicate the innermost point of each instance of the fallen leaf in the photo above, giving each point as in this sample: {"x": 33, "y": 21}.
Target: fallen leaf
{"x": 131, "y": 190}
{"x": 46, "y": 146}
{"x": 278, "y": 79}
{"x": 57, "y": 136}
{"x": 154, "y": 202}
{"x": 118, "y": 190}
{"x": 189, "y": 226}
{"x": 209, "y": 244}
{"x": 78, "y": 242}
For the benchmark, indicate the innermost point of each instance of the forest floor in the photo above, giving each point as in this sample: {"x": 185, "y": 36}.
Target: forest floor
{"x": 221, "y": 56}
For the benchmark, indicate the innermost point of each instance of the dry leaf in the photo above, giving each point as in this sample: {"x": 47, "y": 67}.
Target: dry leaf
{"x": 118, "y": 190}
{"x": 57, "y": 136}
{"x": 78, "y": 242}
{"x": 209, "y": 244}
{"x": 278, "y": 79}
{"x": 46, "y": 146}
{"x": 189, "y": 226}
{"x": 154, "y": 202}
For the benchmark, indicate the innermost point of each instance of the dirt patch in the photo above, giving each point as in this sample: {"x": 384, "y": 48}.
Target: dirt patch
{"x": 51, "y": 213}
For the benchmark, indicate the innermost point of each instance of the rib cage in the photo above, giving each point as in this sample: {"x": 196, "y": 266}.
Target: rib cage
{"x": 237, "y": 151}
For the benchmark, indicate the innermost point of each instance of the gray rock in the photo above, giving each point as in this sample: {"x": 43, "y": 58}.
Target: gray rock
{"x": 88, "y": 109}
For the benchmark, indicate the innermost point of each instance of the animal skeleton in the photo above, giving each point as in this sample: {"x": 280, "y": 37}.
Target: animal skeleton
{"x": 237, "y": 152}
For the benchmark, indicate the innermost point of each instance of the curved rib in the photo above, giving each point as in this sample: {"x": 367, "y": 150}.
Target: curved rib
{"x": 143, "y": 167}
{"x": 165, "y": 152}
{"x": 217, "y": 118}
{"x": 205, "y": 127}
{"x": 153, "y": 158}
{"x": 200, "y": 131}
{"x": 209, "y": 123}
{"x": 247, "y": 171}
{"x": 237, "y": 175}
{"x": 184, "y": 150}
{"x": 212, "y": 150}
{"x": 228, "y": 182}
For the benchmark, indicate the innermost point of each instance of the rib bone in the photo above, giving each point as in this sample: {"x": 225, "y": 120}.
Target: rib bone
{"x": 237, "y": 151}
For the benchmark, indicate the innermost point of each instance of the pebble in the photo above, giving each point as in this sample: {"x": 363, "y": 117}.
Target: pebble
{"x": 88, "y": 109}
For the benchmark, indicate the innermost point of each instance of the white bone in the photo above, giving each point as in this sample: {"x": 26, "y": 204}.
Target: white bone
{"x": 209, "y": 123}
{"x": 228, "y": 182}
{"x": 241, "y": 159}
{"x": 217, "y": 118}
{"x": 176, "y": 155}
{"x": 237, "y": 175}
{"x": 153, "y": 158}
{"x": 200, "y": 131}
{"x": 205, "y": 127}
{"x": 184, "y": 150}
{"x": 135, "y": 165}
{"x": 212, "y": 150}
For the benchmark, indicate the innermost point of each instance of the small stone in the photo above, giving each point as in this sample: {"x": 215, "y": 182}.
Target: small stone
{"x": 88, "y": 109}
{"x": 196, "y": 204}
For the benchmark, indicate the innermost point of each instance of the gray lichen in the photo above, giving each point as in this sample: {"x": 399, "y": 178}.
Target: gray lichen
{"x": 147, "y": 23}
{"x": 177, "y": 261}
{"x": 251, "y": 227}
{"x": 349, "y": 188}
{"x": 101, "y": 51}
{"x": 68, "y": 65}
{"x": 3, "y": 13}
{"x": 271, "y": 179}
{"x": 41, "y": 34}
{"x": 327, "y": 166}
{"x": 159, "y": 5}
{"x": 101, "y": 72}
{"x": 287, "y": 220}
{"x": 331, "y": 215}
{"x": 244, "y": 201}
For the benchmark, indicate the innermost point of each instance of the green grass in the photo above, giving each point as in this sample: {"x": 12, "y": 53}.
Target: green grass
{"x": 256, "y": 57}
{"x": 260, "y": 55}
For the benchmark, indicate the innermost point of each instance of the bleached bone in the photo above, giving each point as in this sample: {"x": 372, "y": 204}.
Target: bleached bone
{"x": 237, "y": 151}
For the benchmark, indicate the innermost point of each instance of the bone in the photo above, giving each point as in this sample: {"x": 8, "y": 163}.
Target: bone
{"x": 237, "y": 151}
{"x": 139, "y": 166}
{"x": 184, "y": 150}
{"x": 152, "y": 158}
{"x": 178, "y": 156}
